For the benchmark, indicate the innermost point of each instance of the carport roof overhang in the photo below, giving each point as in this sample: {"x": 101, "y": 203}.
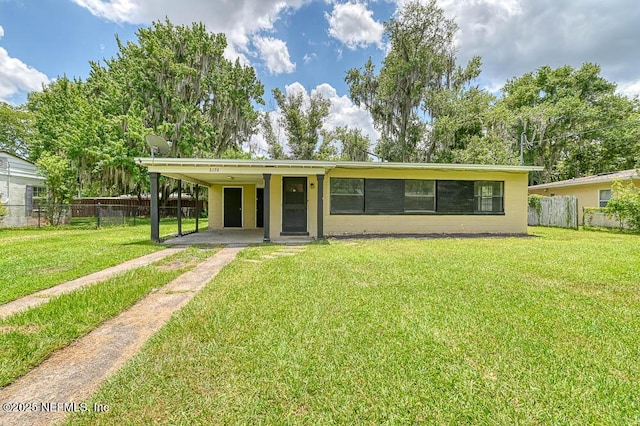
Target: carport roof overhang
{"x": 206, "y": 171}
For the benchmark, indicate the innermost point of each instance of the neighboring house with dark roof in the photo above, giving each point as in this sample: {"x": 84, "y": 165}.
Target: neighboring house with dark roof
{"x": 20, "y": 181}
{"x": 591, "y": 191}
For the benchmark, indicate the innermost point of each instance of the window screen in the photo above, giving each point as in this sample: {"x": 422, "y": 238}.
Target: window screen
{"x": 347, "y": 195}
{"x": 419, "y": 196}
{"x": 455, "y": 196}
{"x": 400, "y": 196}
{"x": 384, "y": 196}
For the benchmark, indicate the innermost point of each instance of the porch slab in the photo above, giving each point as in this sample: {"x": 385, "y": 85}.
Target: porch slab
{"x": 232, "y": 236}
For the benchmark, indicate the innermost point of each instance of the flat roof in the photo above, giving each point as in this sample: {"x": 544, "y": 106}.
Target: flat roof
{"x": 587, "y": 180}
{"x": 316, "y": 164}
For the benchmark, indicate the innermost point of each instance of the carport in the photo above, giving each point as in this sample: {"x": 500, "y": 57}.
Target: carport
{"x": 282, "y": 199}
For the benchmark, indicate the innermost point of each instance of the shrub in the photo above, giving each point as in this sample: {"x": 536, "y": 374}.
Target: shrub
{"x": 3, "y": 211}
{"x": 535, "y": 203}
{"x": 624, "y": 204}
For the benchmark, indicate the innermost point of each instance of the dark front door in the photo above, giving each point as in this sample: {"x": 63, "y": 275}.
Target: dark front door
{"x": 294, "y": 205}
{"x": 233, "y": 207}
{"x": 259, "y": 207}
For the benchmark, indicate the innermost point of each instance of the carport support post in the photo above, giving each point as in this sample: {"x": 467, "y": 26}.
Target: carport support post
{"x": 320, "y": 207}
{"x": 154, "y": 177}
{"x": 179, "y": 207}
{"x": 266, "y": 211}
{"x": 197, "y": 206}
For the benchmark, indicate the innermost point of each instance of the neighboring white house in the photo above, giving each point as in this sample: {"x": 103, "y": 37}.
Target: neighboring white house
{"x": 19, "y": 183}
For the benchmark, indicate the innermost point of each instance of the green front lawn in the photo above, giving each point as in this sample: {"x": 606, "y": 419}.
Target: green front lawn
{"x": 490, "y": 331}
{"x": 35, "y": 259}
{"x": 28, "y": 338}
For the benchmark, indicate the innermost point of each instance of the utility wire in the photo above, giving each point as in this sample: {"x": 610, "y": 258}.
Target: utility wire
{"x": 574, "y": 134}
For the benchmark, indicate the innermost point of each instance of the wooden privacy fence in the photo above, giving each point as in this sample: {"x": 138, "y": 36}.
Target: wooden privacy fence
{"x": 554, "y": 211}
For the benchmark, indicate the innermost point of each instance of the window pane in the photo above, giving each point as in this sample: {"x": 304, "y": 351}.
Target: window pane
{"x": 605, "y": 196}
{"x": 347, "y": 195}
{"x": 455, "y": 196}
{"x": 384, "y": 196}
{"x": 419, "y": 195}
{"x": 488, "y": 195}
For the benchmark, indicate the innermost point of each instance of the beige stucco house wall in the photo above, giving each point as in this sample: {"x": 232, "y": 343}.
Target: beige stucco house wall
{"x": 514, "y": 219}
{"x": 315, "y": 180}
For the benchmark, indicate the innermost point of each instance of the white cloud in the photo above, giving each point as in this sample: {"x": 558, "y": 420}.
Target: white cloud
{"x": 309, "y": 57}
{"x": 342, "y": 113}
{"x": 16, "y": 77}
{"x": 630, "y": 88}
{"x": 114, "y": 10}
{"x": 514, "y": 37}
{"x": 353, "y": 24}
{"x": 275, "y": 54}
{"x": 238, "y": 19}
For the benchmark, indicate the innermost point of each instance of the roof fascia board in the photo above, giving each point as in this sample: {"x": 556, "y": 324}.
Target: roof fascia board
{"x": 564, "y": 184}
{"x": 222, "y": 170}
{"x": 229, "y": 165}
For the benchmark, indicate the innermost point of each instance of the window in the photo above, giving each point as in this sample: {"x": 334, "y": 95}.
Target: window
{"x": 488, "y": 196}
{"x": 347, "y": 195}
{"x": 455, "y": 196}
{"x": 39, "y": 192}
{"x": 384, "y": 196}
{"x": 415, "y": 196}
{"x": 604, "y": 197}
{"x": 419, "y": 196}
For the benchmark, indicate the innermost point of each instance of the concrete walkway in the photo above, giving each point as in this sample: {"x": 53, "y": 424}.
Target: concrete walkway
{"x": 232, "y": 236}
{"x": 74, "y": 373}
{"x": 43, "y": 296}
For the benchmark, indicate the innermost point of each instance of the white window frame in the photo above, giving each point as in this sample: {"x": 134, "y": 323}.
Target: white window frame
{"x": 600, "y": 192}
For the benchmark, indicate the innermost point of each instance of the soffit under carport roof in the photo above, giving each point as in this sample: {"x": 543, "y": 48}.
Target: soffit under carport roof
{"x": 229, "y": 172}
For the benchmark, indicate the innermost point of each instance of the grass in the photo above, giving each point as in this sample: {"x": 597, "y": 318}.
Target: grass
{"x": 29, "y": 337}
{"x": 483, "y": 331}
{"x": 35, "y": 259}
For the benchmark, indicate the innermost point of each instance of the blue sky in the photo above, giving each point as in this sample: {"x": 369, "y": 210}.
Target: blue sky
{"x": 310, "y": 44}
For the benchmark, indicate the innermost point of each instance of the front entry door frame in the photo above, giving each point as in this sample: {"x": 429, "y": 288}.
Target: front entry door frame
{"x": 295, "y": 215}
{"x": 224, "y": 221}
{"x": 259, "y": 207}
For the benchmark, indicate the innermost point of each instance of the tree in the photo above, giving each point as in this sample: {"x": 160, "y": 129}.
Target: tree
{"x": 187, "y": 91}
{"x": 490, "y": 149}
{"x": 15, "y": 129}
{"x": 274, "y": 149}
{"x": 574, "y": 122}
{"x": 417, "y": 80}
{"x": 302, "y": 123}
{"x": 173, "y": 81}
{"x": 66, "y": 124}
{"x": 492, "y": 142}
{"x": 352, "y": 145}
{"x": 60, "y": 182}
